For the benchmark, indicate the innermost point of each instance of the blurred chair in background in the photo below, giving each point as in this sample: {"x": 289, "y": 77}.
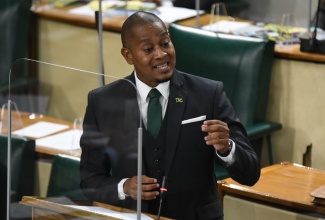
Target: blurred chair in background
{"x": 243, "y": 64}
{"x": 22, "y": 175}
{"x": 15, "y": 19}
{"x": 65, "y": 178}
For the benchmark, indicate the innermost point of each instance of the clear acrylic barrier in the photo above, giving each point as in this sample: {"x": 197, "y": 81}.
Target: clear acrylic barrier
{"x": 113, "y": 125}
{"x": 17, "y": 122}
{"x": 289, "y": 31}
{"x": 218, "y": 13}
{"x": 220, "y": 22}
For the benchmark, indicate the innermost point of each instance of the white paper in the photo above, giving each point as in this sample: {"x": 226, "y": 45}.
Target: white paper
{"x": 226, "y": 26}
{"x": 191, "y": 120}
{"x": 83, "y": 10}
{"x": 171, "y": 14}
{"x": 68, "y": 140}
{"x": 40, "y": 129}
{"x": 110, "y": 213}
{"x": 167, "y": 14}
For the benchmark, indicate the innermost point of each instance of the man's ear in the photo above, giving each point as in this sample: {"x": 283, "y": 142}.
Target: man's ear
{"x": 126, "y": 53}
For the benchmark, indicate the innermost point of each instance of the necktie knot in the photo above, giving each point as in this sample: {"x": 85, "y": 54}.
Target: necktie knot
{"x": 154, "y": 93}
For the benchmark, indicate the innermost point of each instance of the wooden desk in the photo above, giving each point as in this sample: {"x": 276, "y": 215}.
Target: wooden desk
{"x": 293, "y": 52}
{"x": 58, "y": 14}
{"x": 115, "y": 23}
{"x": 41, "y": 151}
{"x": 55, "y": 209}
{"x": 287, "y": 185}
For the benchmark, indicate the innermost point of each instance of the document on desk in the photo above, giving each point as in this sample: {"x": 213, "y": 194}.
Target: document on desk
{"x": 40, "y": 129}
{"x": 167, "y": 14}
{"x": 110, "y": 213}
{"x": 68, "y": 140}
{"x": 226, "y": 26}
{"x": 170, "y": 14}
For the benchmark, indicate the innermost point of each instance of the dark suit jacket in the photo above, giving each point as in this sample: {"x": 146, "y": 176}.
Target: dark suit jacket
{"x": 109, "y": 145}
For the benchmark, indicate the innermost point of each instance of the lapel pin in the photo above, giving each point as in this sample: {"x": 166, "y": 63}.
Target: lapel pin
{"x": 179, "y": 100}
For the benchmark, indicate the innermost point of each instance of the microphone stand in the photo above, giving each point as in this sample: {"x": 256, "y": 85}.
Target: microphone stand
{"x": 9, "y": 157}
{"x": 99, "y": 22}
{"x": 197, "y": 7}
{"x": 139, "y": 170}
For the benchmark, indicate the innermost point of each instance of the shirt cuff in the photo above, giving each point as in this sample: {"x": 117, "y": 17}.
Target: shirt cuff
{"x": 121, "y": 194}
{"x": 230, "y": 159}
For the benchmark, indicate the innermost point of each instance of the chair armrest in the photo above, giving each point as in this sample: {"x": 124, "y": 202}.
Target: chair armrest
{"x": 262, "y": 128}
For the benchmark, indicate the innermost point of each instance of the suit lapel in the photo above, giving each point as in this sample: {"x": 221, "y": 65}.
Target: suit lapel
{"x": 175, "y": 110}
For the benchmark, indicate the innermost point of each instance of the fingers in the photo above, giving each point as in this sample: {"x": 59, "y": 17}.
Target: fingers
{"x": 214, "y": 125}
{"x": 149, "y": 188}
{"x": 217, "y": 134}
{"x": 217, "y": 143}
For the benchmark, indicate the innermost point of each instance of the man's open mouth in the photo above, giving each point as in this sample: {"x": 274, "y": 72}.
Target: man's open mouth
{"x": 163, "y": 66}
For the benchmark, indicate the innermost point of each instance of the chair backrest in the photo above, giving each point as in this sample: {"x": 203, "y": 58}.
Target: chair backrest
{"x": 22, "y": 170}
{"x": 65, "y": 178}
{"x": 243, "y": 64}
{"x": 14, "y": 23}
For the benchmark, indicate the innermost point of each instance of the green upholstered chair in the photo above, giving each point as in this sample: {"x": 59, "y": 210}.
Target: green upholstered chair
{"x": 15, "y": 18}
{"x": 243, "y": 64}
{"x": 22, "y": 175}
{"x": 65, "y": 178}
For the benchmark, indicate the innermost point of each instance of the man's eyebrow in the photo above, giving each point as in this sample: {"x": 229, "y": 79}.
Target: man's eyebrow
{"x": 144, "y": 40}
{"x": 165, "y": 33}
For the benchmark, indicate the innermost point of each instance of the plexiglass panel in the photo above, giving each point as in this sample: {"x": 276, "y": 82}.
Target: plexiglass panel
{"x": 63, "y": 117}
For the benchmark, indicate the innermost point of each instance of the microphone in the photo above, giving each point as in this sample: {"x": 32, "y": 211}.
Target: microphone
{"x": 163, "y": 191}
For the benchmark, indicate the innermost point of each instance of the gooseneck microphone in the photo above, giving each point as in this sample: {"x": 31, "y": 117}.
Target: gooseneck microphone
{"x": 163, "y": 191}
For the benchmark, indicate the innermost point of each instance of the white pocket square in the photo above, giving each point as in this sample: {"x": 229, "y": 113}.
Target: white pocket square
{"x": 191, "y": 120}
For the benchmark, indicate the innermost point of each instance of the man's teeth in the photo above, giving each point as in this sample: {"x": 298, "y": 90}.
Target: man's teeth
{"x": 161, "y": 66}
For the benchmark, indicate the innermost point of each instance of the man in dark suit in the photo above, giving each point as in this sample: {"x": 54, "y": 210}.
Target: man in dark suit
{"x": 198, "y": 125}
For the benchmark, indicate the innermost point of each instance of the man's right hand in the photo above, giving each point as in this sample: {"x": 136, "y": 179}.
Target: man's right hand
{"x": 150, "y": 187}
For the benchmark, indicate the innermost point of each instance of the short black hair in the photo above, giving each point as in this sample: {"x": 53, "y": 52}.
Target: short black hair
{"x": 137, "y": 19}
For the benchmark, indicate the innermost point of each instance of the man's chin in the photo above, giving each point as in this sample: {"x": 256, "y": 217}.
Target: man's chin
{"x": 165, "y": 79}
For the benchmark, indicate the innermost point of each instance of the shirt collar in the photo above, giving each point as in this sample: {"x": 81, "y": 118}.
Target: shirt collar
{"x": 144, "y": 89}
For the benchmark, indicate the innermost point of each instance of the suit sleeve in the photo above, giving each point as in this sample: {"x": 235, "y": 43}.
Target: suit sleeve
{"x": 95, "y": 164}
{"x": 246, "y": 167}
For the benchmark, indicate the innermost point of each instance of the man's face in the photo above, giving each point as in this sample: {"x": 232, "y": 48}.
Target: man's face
{"x": 152, "y": 53}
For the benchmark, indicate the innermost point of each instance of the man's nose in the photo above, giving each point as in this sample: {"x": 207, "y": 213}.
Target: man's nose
{"x": 160, "y": 53}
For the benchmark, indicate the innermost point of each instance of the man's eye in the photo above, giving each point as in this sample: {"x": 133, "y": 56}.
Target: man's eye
{"x": 148, "y": 49}
{"x": 166, "y": 44}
